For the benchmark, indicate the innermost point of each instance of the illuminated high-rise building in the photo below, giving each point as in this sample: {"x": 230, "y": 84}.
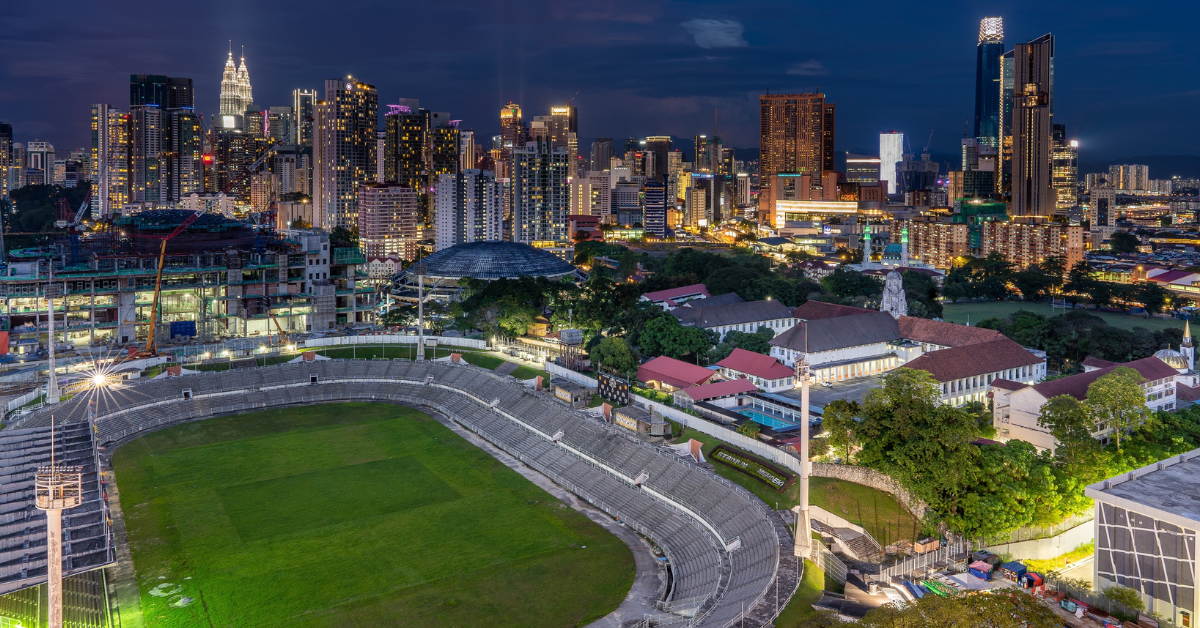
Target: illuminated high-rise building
{"x": 467, "y": 208}
{"x": 1064, "y": 170}
{"x": 541, "y": 194}
{"x": 302, "y": 112}
{"x": 795, "y": 135}
{"x": 236, "y": 94}
{"x": 988, "y": 52}
{"x": 420, "y": 146}
{"x": 512, "y": 128}
{"x": 6, "y": 156}
{"x": 1004, "y": 185}
{"x": 344, "y": 148}
{"x": 388, "y": 217}
{"x": 602, "y": 153}
{"x": 891, "y": 151}
{"x": 660, "y": 147}
{"x": 1033, "y": 63}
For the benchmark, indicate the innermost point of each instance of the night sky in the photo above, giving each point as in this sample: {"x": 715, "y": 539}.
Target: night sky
{"x": 1126, "y": 72}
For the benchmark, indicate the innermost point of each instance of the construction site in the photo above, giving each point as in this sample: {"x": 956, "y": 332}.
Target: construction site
{"x": 172, "y": 276}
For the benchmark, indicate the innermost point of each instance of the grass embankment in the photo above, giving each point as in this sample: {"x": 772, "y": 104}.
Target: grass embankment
{"x": 1044, "y": 566}
{"x": 799, "y": 608}
{"x": 353, "y": 515}
{"x": 879, "y": 513}
{"x": 977, "y": 311}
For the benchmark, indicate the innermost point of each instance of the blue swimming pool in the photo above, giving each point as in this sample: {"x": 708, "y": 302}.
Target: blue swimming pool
{"x": 775, "y": 423}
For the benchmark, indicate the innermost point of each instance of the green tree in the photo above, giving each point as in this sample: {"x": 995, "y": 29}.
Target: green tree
{"x": 665, "y": 336}
{"x": 1116, "y": 400}
{"x": 1124, "y": 595}
{"x": 400, "y": 316}
{"x": 849, "y": 256}
{"x": 846, "y": 284}
{"x": 749, "y": 428}
{"x": 615, "y": 356}
{"x": 963, "y": 611}
{"x": 758, "y": 341}
{"x": 1123, "y": 242}
{"x": 342, "y": 237}
{"x": 1152, "y": 296}
{"x": 921, "y": 288}
{"x": 839, "y": 423}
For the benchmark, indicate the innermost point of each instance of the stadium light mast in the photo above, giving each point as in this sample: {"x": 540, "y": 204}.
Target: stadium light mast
{"x": 420, "y": 270}
{"x": 52, "y": 392}
{"x": 803, "y": 548}
{"x": 56, "y": 489}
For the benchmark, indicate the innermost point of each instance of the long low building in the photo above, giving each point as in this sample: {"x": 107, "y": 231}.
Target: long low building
{"x": 746, "y": 316}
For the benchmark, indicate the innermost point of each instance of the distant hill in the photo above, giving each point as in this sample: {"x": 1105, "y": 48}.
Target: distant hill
{"x": 1161, "y": 166}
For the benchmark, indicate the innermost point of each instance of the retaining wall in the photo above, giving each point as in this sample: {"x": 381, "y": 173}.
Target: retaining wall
{"x": 1042, "y": 549}
{"x": 873, "y": 479}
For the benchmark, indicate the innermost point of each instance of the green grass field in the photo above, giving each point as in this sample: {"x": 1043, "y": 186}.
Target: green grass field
{"x": 357, "y": 515}
{"x": 959, "y": 313}
{"x": 879, "y": 513}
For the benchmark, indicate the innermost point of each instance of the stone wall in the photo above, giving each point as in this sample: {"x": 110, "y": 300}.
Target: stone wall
{"x": 873, "y": 479}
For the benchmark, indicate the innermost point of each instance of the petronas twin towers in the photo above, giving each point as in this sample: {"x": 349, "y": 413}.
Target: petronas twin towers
{"x": 235, "y": 88}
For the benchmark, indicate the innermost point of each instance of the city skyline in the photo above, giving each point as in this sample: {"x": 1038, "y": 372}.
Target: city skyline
{"x": 701, "y": 59}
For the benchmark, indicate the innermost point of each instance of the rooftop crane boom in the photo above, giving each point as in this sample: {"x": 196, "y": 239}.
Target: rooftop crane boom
{"x": 151, "y": 344}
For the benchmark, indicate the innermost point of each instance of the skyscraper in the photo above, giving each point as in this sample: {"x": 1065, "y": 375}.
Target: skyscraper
{"x": 655, "y": 209}
{"x": 564, "y": 133}
{"x": 165, "y": 139}
{"x": 987, "y": 80}
{"x": 541, "y": 194}
{"x": 168, "y": 92}
{"x": 659, "y": 146}
{"x": 302, "y": 109}
{"x": 1004, "y": 181}
{"x": 795, "y": 135}
{"x": 891, "y": 151}
{"x": 147, "y": 184}
{"x": 343, "y": 148}
{"x": 602, "y": 152}
{"x": 388, "y": 216}
{"x": 1064, "y": 170}
{"x": 1032, "y": 194}
{"x": 236, "y": 94}
{"x": 512, "y": 129}
{"x": 6, "y": 155}
{"x": 279, "y": 125}
{"x": 467, "y": 208}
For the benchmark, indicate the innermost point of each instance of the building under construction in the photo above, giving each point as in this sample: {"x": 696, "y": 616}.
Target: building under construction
{"x": 221, "y": 278}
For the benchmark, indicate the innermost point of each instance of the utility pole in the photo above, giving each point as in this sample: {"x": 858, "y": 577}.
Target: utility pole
{"x": 420, "y": 270}
{"x": 803, "y": 548}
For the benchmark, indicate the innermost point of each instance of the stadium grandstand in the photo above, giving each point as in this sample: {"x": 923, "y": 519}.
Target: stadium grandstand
{"x": 728, "y": 554}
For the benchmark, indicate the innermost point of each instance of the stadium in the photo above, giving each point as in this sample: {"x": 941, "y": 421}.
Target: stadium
{"x": 488, "y": 261}
{"x": 725, "y": 558}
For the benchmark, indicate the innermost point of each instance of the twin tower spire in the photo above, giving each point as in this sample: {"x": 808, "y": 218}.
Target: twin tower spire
{"x": 235, "y": 87}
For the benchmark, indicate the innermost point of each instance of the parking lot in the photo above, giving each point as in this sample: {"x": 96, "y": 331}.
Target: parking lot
{"x": 849, "y": 389}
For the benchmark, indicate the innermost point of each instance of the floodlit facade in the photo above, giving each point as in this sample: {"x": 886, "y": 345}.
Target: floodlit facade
{"x": 987, "y": 80}
{"x": 387, "y": 220}
{"x": 795, "y": 136}
{"x": 891, "y": 151}
{"x": 1033, "y": 63}
{"x": 467, "y": 208}
{"x": 541, "y": 192}
{"x": 344, "y": 149}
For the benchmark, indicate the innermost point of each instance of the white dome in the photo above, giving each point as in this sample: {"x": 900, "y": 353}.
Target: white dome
{"x": 1173, "y": 358}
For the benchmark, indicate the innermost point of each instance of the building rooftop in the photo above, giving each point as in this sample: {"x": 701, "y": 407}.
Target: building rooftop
{"x": 1076, "y": 385}
{"x": 675, "y": 293}
{"x": 967, "y": 361}
{"x": 493, "y": 260}
{"x": 815, "y": 310}
{"x": 720, "y": 389}
{"x": 702, "y": 315}
{"x": 945, "y": 334}
{"x": 828, "y": 334}
{"x": 677, "y": 373}
{"x": 755, "y": 364}
{"x": 1169, "y": 490}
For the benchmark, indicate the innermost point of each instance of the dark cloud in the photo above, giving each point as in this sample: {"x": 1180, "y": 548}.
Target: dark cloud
{"x": 634, "y": 67}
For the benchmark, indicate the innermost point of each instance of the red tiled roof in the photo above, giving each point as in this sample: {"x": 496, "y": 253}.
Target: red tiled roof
{"x": 1006, "y": 384}
{"x": 958, "y": 362}
{"x": 1097, "y": 362}
{"x": 755, "y": 364}
{"x": 816, "y": 310}
{"x": 683, "y": 291}
{"x": 1183, "y": 392}
{"x": 943, "y": 333}
{"x": 1076, "y": 385}
{"x": 720, "y": 389}
{"x": 1170, "y": 275}
{"x": 677, "y": 373}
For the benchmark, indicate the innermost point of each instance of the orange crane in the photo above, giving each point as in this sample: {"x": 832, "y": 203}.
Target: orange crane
{"x": 151, "y": 344}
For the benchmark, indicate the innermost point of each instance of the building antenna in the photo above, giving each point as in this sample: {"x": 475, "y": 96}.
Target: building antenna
{"x": 714, "y": 122}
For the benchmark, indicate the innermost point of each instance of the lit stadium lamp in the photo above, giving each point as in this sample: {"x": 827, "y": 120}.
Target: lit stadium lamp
{"x": 98, "y": 380}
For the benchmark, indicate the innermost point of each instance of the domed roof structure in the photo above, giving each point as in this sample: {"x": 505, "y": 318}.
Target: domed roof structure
{"x": 494, "y": 260}
{"x": 1173, "y": 358}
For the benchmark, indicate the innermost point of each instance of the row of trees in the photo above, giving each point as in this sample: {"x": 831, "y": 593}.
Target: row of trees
{"x": 981, "y": 490}
{"x": 994, "y": 277}
{"x": 1069, "y": 338}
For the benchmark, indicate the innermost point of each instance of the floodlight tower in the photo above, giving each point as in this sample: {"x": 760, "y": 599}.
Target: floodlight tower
{"x": 56, "y": 489}
{"x": 420, "y": 269}
{"x": 803, "y": 547}
{"x": 52, "y": 290}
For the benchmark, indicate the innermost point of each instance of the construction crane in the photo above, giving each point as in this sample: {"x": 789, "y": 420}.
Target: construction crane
{"x": 271, "y": 314}
{"x": 151, "y": 344}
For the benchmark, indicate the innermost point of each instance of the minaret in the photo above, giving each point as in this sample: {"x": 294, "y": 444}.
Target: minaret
{"x": 866, "y": 263}
{"x": 56, "y": 489}
{"x": 1186, "y": 347}
{"x": 230, "y": 98}
{"x": 803, "y": 547}
{"x": 904, "y": 247}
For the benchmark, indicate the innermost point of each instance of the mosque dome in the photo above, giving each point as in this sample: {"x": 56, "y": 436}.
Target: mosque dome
{"x": 1173, "y": 358}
